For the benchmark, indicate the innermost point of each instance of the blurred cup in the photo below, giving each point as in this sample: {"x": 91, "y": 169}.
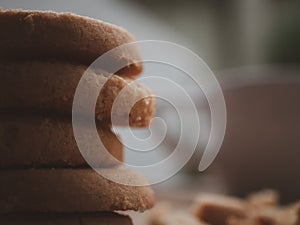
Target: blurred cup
{"x": 261, "y": 148}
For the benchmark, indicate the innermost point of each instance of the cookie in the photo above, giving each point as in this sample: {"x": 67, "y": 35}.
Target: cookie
{"x": 64, "y": 36}
{"x": 164, "y": 214}
{"x": 48, "y": 141}
{"x": 177, "y": 218}
{"x": 99, "y": 218}
{"x": 72, "y": 190}
{"x": 50, "y": 87}
{"x": 217, "y": 209}
{"x": 257, "y": 209}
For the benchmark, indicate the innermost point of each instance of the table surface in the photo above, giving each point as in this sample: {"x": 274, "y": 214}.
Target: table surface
{"x": 180, "y": 191}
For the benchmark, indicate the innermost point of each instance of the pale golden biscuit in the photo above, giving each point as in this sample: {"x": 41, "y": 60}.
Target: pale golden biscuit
{"x": 217, "y": 209}
{"x": 164, "y": 214}
{"x": 63, "y": 36}
{"x": 259, "y": 208}
{"x": 48, "y": 141}
{"x": 72, "y": 190}
{"x": 176, "y": 218}
{"x": 50, "y": 87}
{"x": 99, "y": 218}
{"x": 264, "y": 198}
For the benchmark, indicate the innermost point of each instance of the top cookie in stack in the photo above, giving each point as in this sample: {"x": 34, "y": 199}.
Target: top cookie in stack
{"x": 52, "y": 52}
{"x": 42, "y": 59}
{"x": 62, "y": 36}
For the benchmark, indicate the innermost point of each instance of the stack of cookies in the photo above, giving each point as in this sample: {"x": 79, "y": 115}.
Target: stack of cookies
{"x": 44, "y": 177}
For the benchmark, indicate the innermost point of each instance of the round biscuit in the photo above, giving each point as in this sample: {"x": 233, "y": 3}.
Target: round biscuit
{"x": 51, "y": 86}
{"x": 98, "y": 218}
{"x": 48, "y": 141}
{"x": 63, "y": 36}
{"x": 72, "y": 190}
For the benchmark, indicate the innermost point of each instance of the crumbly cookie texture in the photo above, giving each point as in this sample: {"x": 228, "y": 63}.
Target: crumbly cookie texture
{"x": 72, "y": 190}
{"x": 64, "y": 36}
{"x": 95, "y": 218}
{"x": 259, "y": 208}
{"x": 48, "y": 141}
{"x": 51, "y": 86}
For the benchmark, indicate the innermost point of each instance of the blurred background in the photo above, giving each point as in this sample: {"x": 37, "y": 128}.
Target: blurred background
{"x": 253, "y": 47}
